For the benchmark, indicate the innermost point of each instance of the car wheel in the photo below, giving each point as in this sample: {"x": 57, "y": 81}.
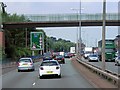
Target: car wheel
{"x": 115, "y": 64}
{"x": 59, "y": 76}
{"x": 18, "y": 70}
{"x": 40, "y": 77}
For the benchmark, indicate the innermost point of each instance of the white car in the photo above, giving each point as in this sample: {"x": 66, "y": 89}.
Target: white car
{"x": 93, "y": 58}
{"x": 25, "y": 64}
{"x": 50, "y": 67}
{"x": 86, "y": 55}
{"x": 117, "y": 61}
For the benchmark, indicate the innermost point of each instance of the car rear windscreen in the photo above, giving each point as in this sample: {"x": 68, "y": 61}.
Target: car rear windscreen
{"x": 24, "y": 60}
{"x": 49, "y": 63}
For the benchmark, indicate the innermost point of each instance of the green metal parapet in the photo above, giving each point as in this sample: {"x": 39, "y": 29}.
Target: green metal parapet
{"x": 69, "y": 17}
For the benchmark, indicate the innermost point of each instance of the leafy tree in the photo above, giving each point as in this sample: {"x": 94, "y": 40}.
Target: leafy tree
{"x": 60, "y": 44}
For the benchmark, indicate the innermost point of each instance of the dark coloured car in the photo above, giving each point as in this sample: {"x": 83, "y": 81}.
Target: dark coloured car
{"x": 67, "y": 55}
{"x": 60, "y": 59}
{"x": 47, "y": 56}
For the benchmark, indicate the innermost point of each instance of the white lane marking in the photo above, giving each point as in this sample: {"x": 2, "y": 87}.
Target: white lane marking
{"x": 33, "y": 83}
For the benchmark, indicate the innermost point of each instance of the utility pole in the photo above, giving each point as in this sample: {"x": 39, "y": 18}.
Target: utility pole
{"x": 118, "y": 39}
{"x": 77, "y": 41}
{"x": 1, "y": 11}
{"x": 103, "y": 35}
{"x": 119, "y": 28}
{"x": 26, "y": 38}
{"x": 3, "y": 7}
{"x": 2, "y": 38}
{"x": 80, "y": 41}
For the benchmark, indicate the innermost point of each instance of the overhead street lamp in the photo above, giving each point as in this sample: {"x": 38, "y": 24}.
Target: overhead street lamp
{"x": 77, "y": 13}
{"x": 79, "y": 41}
{"x": 2, "y": 10}
{"x": 3, "y": 7}
{"x": 103, "y": 35}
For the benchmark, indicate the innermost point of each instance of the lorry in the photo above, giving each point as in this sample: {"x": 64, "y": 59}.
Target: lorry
{"x": 87, "y": 52}
{"x": 109, "y": 50}
{"x": 61, "y": 53}
{"x": 72, "y": 50}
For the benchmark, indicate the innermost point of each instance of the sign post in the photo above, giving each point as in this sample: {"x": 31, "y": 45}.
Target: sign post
{"x": 37, "y": 41}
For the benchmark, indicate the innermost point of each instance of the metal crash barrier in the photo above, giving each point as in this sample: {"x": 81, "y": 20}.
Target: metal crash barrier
{"x": 115, "y": 79}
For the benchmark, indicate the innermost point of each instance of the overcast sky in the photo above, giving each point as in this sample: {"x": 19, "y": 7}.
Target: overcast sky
{"x": 90, "y": 35}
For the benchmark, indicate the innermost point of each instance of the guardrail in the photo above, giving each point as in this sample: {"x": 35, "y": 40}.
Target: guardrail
{"x": 109, "y": 71}
{"x": 14, "y": 63}
{"x": 105, "y": 74}
{"x": 8, "y": 65}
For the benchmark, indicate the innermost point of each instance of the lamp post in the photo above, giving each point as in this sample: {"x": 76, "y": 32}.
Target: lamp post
{"x": 77, "y": 13}
{"x": 26, "y": 37}
{"x": 79, "y": 41}
{"x": 2, "y": 32}
{"x": 103, "y": 35}
{"x": 3, "y": 7}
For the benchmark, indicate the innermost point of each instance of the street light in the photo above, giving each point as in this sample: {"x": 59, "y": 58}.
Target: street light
{"x": 80, "y": 32}
{"x": 3, "y": 7}
{"x": 77, "y": 10}
{"x": 103, "y": 35}
{"x": 78, "y": 46}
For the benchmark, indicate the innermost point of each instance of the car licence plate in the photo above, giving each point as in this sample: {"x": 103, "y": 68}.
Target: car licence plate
{"x": 25, "y": 64}
{"x": 49, "y": 72}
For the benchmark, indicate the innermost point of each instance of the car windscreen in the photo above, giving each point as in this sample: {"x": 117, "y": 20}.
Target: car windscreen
{"x": 47, "y": 55}
{"x": 24, "y": 60}
{"x": 59, "y": 56}
{"x": 119, "y": 58}
{"x": 93, "y": 56}
{"x": 66, "y": 54}
{"x": 49, "y": 63}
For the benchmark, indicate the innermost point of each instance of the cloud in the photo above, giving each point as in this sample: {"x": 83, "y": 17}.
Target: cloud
{"x": 18, "y": 7}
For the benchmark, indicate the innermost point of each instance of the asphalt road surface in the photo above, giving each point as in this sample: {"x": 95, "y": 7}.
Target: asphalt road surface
{"x": 71, "y": 78}
{"x": 109, "y": 66}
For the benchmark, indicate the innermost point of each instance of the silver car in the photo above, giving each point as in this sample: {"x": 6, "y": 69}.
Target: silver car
{"x": 93, "y": 57}
{"x": 117, "y": 61}
{"x": 25, "y": 64}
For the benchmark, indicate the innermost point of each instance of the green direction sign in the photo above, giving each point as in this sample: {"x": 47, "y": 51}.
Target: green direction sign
{"x": 37, "y": 41}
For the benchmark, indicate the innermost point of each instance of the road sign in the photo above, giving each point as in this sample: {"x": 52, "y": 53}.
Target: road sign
{"x": 37, "y": 40}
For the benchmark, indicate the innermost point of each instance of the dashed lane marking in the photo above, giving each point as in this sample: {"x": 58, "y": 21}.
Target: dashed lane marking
{"x": 33, "y": 83}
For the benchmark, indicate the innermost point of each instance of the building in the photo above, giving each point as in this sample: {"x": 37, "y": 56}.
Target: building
{"x": 2, "y": 42}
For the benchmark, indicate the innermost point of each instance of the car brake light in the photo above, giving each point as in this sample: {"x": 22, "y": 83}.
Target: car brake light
{"x": 41, "y": 68}
{"x": 62, "y": 58}
{"x": 57, "y": 67}
{"x": 31, "y": 64}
